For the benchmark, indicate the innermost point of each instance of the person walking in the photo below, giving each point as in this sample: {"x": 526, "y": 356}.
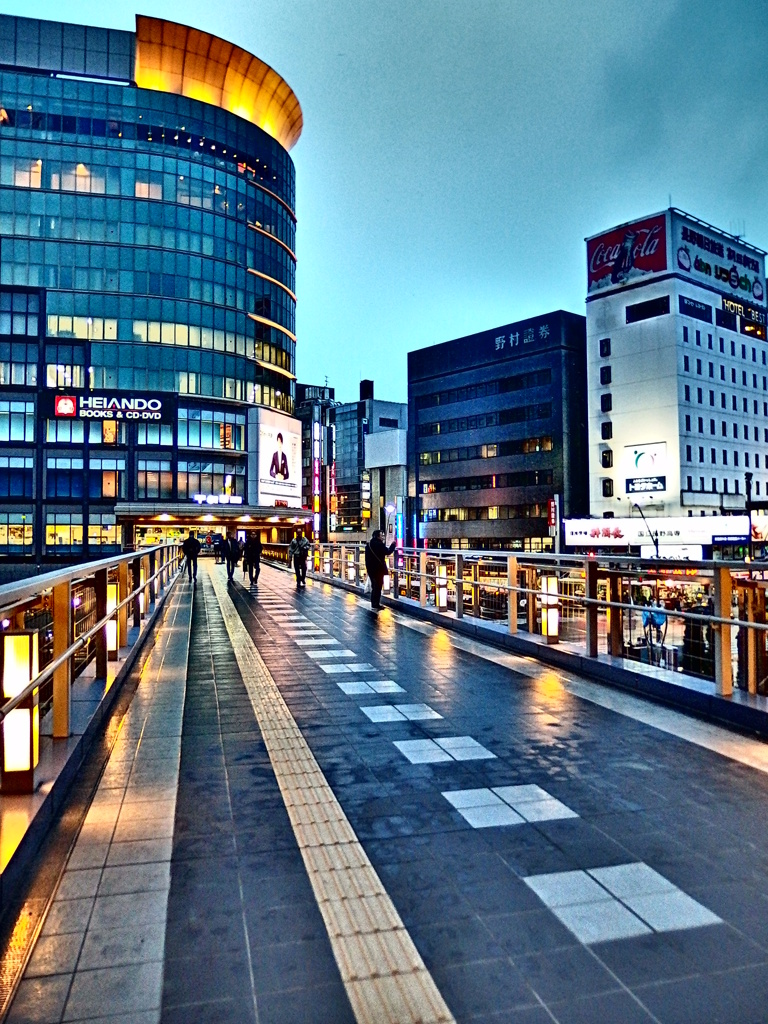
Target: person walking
{"x": 252, "y": 552}
{"x": 297, "y": 556}
{"x": 376, "y": 566}
{"x": 231, "y": 550}
{"x": 191, "y": 549}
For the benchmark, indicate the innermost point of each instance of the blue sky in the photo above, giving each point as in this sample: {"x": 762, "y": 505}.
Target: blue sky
{"x": 456, "y": 152}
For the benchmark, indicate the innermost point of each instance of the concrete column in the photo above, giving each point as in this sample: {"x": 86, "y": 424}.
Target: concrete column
{"x": 615, "y": 616}
{"x": 512, "y": 594}
{"x": 459, "y": 580}
{"x": 723, "y": 666}
{"x": 62, "y": 677}
{"x": 423, "y": 579}
{"x": 590, "y": 590}
{"x": 100, "y": 640}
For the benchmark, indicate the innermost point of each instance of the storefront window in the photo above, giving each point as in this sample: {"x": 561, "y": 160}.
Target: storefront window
{"x": 102, "y": 530}
{"x": 211, "y": 478}
{"x": 16, "y": 533}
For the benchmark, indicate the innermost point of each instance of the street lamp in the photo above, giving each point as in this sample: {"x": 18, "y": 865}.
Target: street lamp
{"x": 654, "y": 537}
{"x": 748, "y": 488}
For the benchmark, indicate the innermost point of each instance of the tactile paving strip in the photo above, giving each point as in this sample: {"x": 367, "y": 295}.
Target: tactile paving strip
{"x": 385, "y": 978}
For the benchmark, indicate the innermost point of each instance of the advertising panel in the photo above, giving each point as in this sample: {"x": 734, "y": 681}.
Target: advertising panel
{"x": 718, "y": 261}
{"x": 138, "y": 407}
{"x": 627, "y": 254}
{"x": 645, "y": 468}
{"x": 670, "y": 531}
{"x": 279, "y": 460}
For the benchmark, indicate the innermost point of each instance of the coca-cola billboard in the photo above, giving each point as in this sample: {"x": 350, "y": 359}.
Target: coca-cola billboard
{"x": 627, "y": 254}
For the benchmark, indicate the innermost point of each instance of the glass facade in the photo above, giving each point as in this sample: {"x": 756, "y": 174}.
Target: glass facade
{"x": 147, "y": 244}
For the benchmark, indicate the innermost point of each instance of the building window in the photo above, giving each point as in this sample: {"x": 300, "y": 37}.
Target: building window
{"x": 18, "y": 364}
{"x": 711, "y": 369}
{"x": 19, "y": 313}
{"x": 605, "y": 375}
{"x": 685, "y": 335}
{"x": 713, "y": 456}
{"x": 687, "y": 393}
{"x": 388, "y": 422}
{"x": 699, "y": 395}
{"x": 606, "y": 403}
{"x": 155, "y": 479}
{"x": 735, "y": 458}
{"x": 701, "y": 425}
{"x": 725, "y": 457}
{"x": 17, "y": 421}
{"x": 608, "y": 488}
{"x": 689, "y": 482}
{"x": 16, "y": 477}
{"x": 686, "y": 364}
{"x": 102, "y": 530}
{"x": 207, "y": 428}
{"x": 155, "y": 433}
{"x": 106, "y": 478}
{"x": 712, "y": 429}
{"x": 65, "y": 431}
{"x": 698, "y": 338}
{"x": 646, "y": 310}
{"x": 106, "y": 432}
{"x": 687, "y": 422}
{"x": 701, "y": 454}
{"x": 16, "y": 533}
{"x": 606, "y": 431}
{"x": 698, "y": 366}
{"x": 606, "y": 458}
{"x": 605, "y": 348}
{"x": 64, "y": 479}
{"x": 688, "y": 453}
{"x": 210, "y": 478}
{"x": 64, "y": 532}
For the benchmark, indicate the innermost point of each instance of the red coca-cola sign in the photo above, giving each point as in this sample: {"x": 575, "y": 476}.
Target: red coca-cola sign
{"x": 625, "y": 254}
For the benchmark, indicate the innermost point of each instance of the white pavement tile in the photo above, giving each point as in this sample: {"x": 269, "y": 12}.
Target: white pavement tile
{"x": 141, "y": 852}
{"x": 361, "y": 666}
{"x": 321, "y": 655}
{"x": 384, "y": 686}
{"x": 117, "y": 911}
{"x": 78, "y": 884}
{"x": 464, "y": 748}
{"x": 335, "y": 670}
{"x": 516, "y": 795}
{"x": 385, "y": 713}
{"x": 422, "y": 751}
{"x": 68, "y": 916}
{"x": 564, "y": 888}
{"x": 632, "y": 880}
{"x": 670, "y": 911}
{"x": 135, "y": 878}
{"x": 545, "y": 810}
{"x": 356, "y": 688}
{"x": 54, "y": 954}
{"x": 472, "y": 798}
{"x": 600, "y": 922}
{"x": 330, "y": 641}
{"x": 418, "y": 712}
{"x": 489, "y": 816}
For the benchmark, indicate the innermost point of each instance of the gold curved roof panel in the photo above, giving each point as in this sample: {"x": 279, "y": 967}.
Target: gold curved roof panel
{"x": 188, "y": 62}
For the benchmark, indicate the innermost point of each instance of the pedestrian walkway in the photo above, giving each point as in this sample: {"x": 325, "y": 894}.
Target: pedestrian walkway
{"x": 326, "y": 816}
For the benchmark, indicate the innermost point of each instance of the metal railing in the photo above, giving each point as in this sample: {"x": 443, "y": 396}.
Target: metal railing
{"x": 706, "y": 619}
{"x": 50, "y": 603}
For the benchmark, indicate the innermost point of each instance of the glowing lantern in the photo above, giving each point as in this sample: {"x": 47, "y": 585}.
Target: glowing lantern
{"x": 112, "y": 624}
{"x": 550, "y": 612}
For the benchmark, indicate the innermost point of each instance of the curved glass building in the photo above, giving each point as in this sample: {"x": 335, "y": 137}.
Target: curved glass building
{"x": 147, "y": 288}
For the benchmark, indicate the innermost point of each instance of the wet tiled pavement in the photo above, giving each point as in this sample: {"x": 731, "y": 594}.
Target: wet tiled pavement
{"x": 545, "y": 858}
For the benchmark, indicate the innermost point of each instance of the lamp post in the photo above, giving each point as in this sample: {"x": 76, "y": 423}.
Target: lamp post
{"x": 654, "y": 537}
{"x": 748, "y": 489}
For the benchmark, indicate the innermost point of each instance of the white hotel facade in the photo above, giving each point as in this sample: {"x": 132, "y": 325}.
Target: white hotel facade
{"x": 677, "y": 372}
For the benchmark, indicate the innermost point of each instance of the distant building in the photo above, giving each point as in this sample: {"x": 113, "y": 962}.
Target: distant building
{"x": 365, "y": 484}
{"x": 497, "y": 425}
{"x": 314, "y": 406}
{"x": 677, "y": 368}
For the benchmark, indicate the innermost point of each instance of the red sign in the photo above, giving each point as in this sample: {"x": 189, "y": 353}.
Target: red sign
{"x": 626, "y": 254}
{"x": 64, "y": 405}
{"x": 552, "y": 512}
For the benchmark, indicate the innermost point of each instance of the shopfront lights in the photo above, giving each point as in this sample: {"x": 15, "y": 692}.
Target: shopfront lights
{"x": 550, "y": 611}
{"x": 442, "y": 587}
{"x": 112, "y": 624}
{"x": 21, "y": 728}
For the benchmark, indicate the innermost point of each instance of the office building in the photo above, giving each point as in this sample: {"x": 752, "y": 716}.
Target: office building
{"x": 366, "y": 483}
{"x": 314, "y": 403}
{"x": 677, "y": 369}
{"x": 147, "y": 296}
{"x": 497, "y": 428}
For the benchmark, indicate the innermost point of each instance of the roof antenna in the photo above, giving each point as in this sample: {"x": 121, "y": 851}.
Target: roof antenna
{"x": 670, "y": 200}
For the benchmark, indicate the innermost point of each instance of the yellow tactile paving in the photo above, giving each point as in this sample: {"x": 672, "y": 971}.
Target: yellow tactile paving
{"x": 384, "y": 975}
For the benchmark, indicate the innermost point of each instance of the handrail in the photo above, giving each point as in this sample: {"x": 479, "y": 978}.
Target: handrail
{"x": 22, "y": 590}
{"x": 82, "y": 640}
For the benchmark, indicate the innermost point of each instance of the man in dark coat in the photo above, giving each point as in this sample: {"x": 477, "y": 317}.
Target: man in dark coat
{"x": 376, "y": 566}
{"x": 231, "y": 549}
{"x": 191, "y": 549}
{"x": 278, "y": 470}
{"x": 252, "y": 554}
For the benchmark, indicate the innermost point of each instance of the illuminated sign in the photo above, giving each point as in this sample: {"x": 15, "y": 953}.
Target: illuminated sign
{"x": 668, "y": 530}
{"x": 627, "y": 254}
{"x": 645, "y": 468}
{"x": 110, "y": 405}
{"x": 717, "y": 260}
{"x": 217, "y": 499}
